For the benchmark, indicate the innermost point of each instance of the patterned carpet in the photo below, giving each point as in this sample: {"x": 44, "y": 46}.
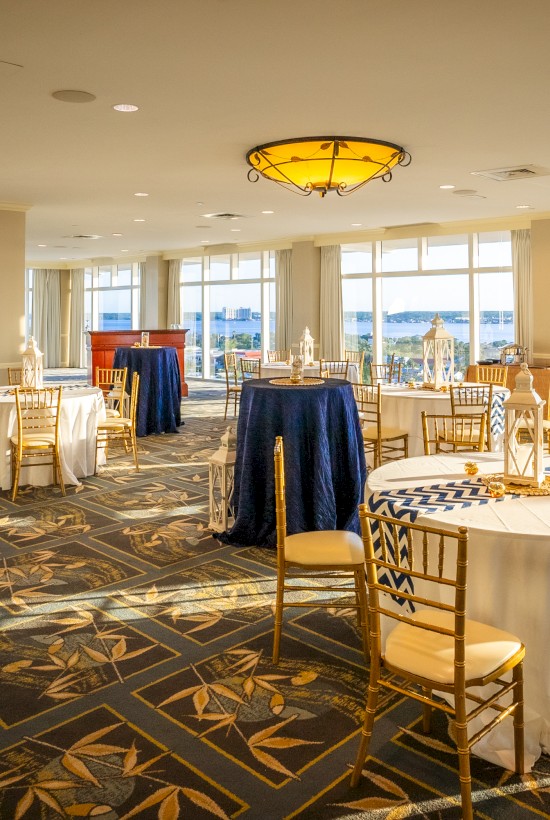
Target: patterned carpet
{"x": 135, "y": 672}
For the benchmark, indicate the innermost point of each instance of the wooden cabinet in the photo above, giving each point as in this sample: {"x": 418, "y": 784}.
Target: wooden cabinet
{"x": 103, "y": 343}
{"x": 541, "y": 379}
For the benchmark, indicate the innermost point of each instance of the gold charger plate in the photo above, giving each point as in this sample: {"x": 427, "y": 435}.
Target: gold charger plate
{"x": 306, "y": 382}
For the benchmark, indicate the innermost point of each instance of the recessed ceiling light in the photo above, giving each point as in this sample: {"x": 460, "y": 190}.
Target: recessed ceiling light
{"x": 42, "y": 246}
{"x": 205, "y": 241}
{"x": 125, "y": 107}
{"x": 522, "y": 207}
{"x": 139, "y": 220}
{"x": 141, "y": 193}
{"x": 116, "y": 234}
{"x": 63, "y": 257}
{"x": 268, "y": 212}
{"x": 72, "y": 96}
{"x": 356, "y": 224}
{"x": 124, "y": 250}
{"x": 446, "y": 187}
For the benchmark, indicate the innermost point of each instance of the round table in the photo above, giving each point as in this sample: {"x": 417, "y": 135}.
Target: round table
{"x": 81, "y": 410}
{"x": 402, "y": 407}
{"x": 159, "y": 398}
{"x": 508, "y": 566}
{"x": 324, "y": 459}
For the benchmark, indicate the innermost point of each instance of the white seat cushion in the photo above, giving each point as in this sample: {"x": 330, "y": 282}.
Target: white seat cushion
{"x": 371, "y": 433}
{"x": 432, "y": 656}
{"x": 38, "y": 439}
{"x": 114, "y": 424}
{"x": 111, "y": 413}
{"x": 324, "y": 548}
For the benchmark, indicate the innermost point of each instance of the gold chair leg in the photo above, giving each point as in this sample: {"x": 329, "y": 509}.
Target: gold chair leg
{"x": 278, "y": 625}
{"x": 518, "y": 719}
{"x": 134, "y": 449}
{"x": 362, "y": 610}
{"x": 57, "y": 472}
{"x": 427, "y": 713}
{"x": 463, "y": 749}
{"x": 366, "y": 732}
{"x": 15, "y": 480}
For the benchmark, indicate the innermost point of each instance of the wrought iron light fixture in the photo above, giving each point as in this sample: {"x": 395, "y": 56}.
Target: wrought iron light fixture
{"x": 323, "y": 164}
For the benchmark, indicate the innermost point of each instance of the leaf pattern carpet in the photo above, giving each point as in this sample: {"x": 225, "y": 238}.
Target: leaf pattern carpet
{"x": 136, "y": 676}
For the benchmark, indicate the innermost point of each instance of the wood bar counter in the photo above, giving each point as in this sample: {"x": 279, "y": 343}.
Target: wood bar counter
{"x": 103, "y": 344}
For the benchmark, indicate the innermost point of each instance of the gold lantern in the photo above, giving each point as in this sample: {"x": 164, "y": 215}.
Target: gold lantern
{"x": 221, "y": 473}
{"x": 523, "y": 433}
{"x": 438, "y": 355}
{"x": 32, "y": 371}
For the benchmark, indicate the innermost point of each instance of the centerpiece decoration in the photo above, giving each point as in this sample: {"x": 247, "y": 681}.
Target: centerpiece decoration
{"x": 438, "y": 355}
{"x": 523, "y": 433}
{"x": 306, "y": 347}
{"x": 297, "y": 370}
{"x": 32, "y": 372}
{"x": 221, "y": 473}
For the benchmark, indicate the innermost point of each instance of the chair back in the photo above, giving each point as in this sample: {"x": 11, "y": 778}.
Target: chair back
{"x": 358, "y": 358}
{"x": 278, "y": 355}
{"x": 465, "y": 431}
{"x": 112, "y": 383}
{"x": 280, "y": 498}
{"x": 491, "y": 374}
{"x": 368, "y": 398}
{"x": 385, "y": 373}
{"x": 37, "y": 411}
{"x": 15, "y": 375}
{"x": 251, "y": 369}
{"x": 134, "y": 395}
{"x": 431, "y": 563}
{"x": 230, "y": 368}
{"x": 329, "y": 368}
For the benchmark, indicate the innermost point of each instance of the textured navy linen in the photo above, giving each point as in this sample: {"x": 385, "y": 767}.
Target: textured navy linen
{"x": 324, "y": 460}
{"x": 159, "y": 398}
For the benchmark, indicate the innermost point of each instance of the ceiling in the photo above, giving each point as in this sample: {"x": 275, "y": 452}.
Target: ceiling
{"x": 462, "y": 86}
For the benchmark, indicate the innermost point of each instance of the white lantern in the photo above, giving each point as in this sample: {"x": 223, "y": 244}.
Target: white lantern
{"x": 523, "y": 433}
{"x": 32, "y": 373}
{"x": 306, "y": 347}
{"x": 438, "y": 354}
{"x": 221, "y": 473}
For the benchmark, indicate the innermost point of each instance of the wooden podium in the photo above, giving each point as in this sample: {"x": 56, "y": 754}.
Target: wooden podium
{"x": 103, "y": 343}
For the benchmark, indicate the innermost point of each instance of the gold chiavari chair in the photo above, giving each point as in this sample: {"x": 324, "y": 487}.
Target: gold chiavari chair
{"x": 388, "y": 373}
{"x": 120, "y": 429}
{"x": 450, "y": 434}
{"x": 251, "y": 369}
{"x": 473, "y": 398}
{"x": 232, "y": 386}
{"x": 329, "y": 369}
{"x": 491, "y": 374}
{"x": 434, "y": 647}
{"x": 112, "y": 383}
{"x": 37, "y": 437}
{"x": 331, "y": 555}
{"x": 15, "y": 375}
{"x": 385, "y": 443}
{"x": 278, "y": 355}
{"x": 357, "y": 357}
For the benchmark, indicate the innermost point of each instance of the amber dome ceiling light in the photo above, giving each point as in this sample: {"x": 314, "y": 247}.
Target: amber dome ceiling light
{"x": 323, "y": 164}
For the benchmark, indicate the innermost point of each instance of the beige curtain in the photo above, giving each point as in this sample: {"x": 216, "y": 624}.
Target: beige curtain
{"x": 283, "y": 295}
{"x": 523, "y": 292}
{"x": 332, "y": 311}
{"x": 77, "y": 347}
{"x": 174, "y": 293}
{"x": 46, "y": 314}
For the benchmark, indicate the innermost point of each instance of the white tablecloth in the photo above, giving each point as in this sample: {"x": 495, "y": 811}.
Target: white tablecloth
{"x": 508, "y": 578}
{"x": 276, "y": 370}
{"x": 81, "y": 410}
{"x": 402, "y": 407}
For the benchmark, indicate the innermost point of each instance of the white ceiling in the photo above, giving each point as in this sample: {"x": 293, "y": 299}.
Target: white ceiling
{"x": 463, "y": 86}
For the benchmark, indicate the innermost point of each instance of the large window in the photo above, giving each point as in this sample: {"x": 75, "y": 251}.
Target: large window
{"x": 466, "y": 278}
{"x": 228, "y": 303}
{"x": 111, "y": 297}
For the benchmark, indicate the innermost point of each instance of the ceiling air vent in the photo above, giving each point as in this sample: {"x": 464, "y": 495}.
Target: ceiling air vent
{"x": 223, "y": 216}
{"x": 518, "y": 172}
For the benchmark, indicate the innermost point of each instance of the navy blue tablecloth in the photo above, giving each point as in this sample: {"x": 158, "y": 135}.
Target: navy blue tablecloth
{"x": 159, "y": 399}
{"x": 325, "y": 466}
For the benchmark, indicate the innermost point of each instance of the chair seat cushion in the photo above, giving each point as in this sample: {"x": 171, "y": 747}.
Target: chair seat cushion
{"x": 324, "y": 548}
{"x": 114, "y": 424}
{"x": 39, "y": 439}
{"x": 111, "y": 413}
{"x": 371, "y": 433}
{"x": 431, "y": 655}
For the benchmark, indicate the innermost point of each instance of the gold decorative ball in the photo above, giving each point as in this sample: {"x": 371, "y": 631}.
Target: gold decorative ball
{"x": 496, "y": 489}
{"x": 470, "y": 467}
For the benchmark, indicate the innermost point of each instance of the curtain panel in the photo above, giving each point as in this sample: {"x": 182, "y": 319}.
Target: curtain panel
{"x": 77, "y": 346}
{"x": 523, "y": 291}
{"x": 46, "y": 314}
{"x": 142, "y": 294}
{"x": 332, "y": 312}
{"x": 174, "y": 316}
{"x": 283, "y": 296}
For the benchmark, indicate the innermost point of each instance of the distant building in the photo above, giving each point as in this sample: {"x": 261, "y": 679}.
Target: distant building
{"x": 230, "y": 313}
